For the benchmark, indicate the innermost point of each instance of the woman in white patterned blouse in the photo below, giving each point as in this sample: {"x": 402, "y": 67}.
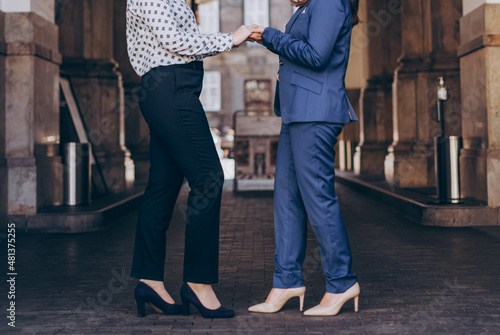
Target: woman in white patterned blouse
{"x": 166, "y": 48}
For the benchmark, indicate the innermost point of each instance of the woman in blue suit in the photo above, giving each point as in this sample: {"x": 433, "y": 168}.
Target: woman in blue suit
{"x": 312, "y": 101}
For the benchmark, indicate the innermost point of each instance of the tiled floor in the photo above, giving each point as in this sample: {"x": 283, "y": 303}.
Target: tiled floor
{"x": 414, "y": 279}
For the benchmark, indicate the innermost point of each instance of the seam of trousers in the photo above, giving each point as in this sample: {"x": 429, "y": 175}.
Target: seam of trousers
{"x": 288, "y": 192}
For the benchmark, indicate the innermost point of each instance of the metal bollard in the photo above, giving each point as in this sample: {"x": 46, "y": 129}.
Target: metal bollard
{"x": 76, "y": 173}
{"x": 447, "y": 168}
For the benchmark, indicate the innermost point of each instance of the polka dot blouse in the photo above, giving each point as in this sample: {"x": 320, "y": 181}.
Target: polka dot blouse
{"x": 164, "y": 32}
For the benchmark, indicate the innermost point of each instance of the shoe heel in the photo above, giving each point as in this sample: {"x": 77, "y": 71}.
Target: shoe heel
{"x": 141, "y": 307}
{"x": 185, "y": 307}
{"x": 356, "y": 303}
{"x": 301, "y": 298}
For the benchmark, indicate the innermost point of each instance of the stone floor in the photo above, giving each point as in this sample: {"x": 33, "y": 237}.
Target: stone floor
{"x": 414, "y": 279}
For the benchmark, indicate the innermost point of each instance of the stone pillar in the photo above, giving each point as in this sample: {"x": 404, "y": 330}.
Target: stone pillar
{"x": 87, "y": 46}
{"x": 29, "y": 108}
{"x": 479, "y": 54}
{"x": 136, "y": 128}
{"x": 429, "y": 38}
{"x": 380, "y": 41}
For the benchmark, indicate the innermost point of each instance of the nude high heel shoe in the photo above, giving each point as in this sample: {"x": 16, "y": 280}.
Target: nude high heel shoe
{"x": 352, "y": 292}
{"x": 281, "y": 301}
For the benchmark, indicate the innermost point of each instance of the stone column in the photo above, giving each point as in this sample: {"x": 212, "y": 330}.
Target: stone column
{"x": 429, "y": 38}
{"x": 380, "y": 42}
{"x": 136, "y": 128}
{"x": 29, "y": 108}
{"x": 87, "y": 46}
{"x": 479, "y": 54}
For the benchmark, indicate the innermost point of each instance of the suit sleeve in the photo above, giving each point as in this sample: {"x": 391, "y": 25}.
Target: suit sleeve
{"x": 327, "y": 20}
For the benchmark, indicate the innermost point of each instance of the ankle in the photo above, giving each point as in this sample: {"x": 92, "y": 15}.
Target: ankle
{"x": 205, "y": 294}
{"x": 199, "y": 287}
{"x": 153, "y": 283}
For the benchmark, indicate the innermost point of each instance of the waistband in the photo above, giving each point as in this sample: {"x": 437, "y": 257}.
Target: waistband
{"x": 197, "y": 65}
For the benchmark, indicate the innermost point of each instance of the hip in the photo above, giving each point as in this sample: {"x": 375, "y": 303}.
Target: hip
{"x": 178, "y": 77}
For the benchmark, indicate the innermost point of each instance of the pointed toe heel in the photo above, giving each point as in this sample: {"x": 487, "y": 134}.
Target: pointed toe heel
{"x": 351, "y": 293}
{"x": 189, "y": 297}
{"x": 276, "y": 306}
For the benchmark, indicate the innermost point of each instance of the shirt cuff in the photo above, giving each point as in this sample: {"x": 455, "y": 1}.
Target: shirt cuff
{"x": 230, "y": 41}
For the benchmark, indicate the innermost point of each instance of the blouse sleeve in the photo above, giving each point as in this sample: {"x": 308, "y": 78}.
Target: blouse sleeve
{"x": 159, "y": 17}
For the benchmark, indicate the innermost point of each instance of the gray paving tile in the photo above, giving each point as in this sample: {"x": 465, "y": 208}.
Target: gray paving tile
{"x": 414, "y": 279}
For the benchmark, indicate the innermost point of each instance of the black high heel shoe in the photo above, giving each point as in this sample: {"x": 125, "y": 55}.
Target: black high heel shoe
{"x": 188, "y": 296}
{"x": 145, "y": 294}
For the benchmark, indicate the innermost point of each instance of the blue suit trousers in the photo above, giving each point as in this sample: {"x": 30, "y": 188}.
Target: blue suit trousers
{"x": 305, "y": 188}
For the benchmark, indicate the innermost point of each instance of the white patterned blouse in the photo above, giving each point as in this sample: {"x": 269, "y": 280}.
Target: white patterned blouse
{"x": 164, "y": 32}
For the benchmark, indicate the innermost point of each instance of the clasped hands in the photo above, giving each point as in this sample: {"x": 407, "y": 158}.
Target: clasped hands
{"x": 251, "y": 33}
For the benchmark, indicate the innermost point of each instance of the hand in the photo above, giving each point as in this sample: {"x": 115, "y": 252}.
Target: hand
{"x": 250, "y": 39}
{"x": 240, "y": 35}
{"x": 256, "y": 35}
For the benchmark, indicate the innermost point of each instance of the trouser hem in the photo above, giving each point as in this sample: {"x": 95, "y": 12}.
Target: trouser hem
{"x": 290, "y": 281}
{"x": 340, "y": 285}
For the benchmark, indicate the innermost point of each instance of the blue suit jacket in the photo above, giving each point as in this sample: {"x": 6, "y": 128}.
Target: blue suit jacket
{"x": 314, "y": 52}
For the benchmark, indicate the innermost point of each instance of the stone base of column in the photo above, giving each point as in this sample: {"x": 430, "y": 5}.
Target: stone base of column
{"x": 31, "y": 183}
{"x": 493, "y": 174}
{"x": 369, "y": 158}
{"x": 480, "y": 175}
{"x": 140, "y": 157}
{"x": 473, "y": 174}
{"x": 21, "y": 186}
{"x": 118, "y": 170}
{"x": 406, "y": 167}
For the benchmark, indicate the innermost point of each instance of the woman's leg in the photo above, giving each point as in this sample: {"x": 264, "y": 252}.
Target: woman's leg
{"x": 158, "y": 203}
{"x": 172, "y": 109}
{"x": 314, "y": 159}
{"x": 290, "y": 221}
{"x": 197, "y": 157}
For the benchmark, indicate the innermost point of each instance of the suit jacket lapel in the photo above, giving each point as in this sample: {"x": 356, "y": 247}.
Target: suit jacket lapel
{"x": 292, "y": 20}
